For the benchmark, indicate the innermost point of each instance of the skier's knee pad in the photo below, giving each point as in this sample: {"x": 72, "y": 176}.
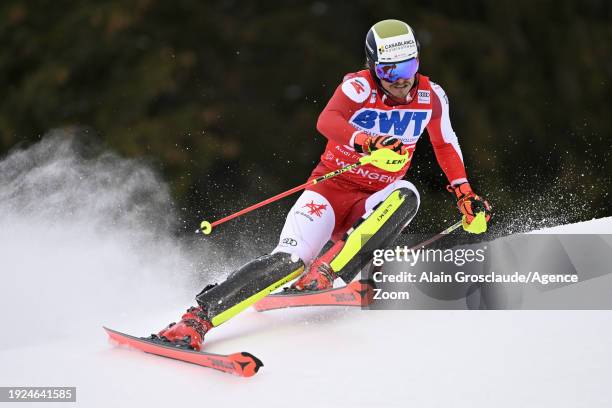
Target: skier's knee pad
{"x": 375, "y": 230}
{"x": 245, "y": 286}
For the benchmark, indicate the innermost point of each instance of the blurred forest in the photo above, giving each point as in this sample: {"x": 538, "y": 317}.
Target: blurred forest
{"x": 222, "y": 97}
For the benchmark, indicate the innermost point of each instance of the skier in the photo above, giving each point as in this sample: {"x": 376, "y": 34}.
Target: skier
{"x": 386, "y": 106}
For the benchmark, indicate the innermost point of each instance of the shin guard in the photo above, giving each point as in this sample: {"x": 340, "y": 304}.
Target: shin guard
{"x": 247, "y": 285}
{"x": 375, "y": 230}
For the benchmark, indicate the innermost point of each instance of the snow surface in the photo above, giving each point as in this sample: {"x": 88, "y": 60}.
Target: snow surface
{"x": 79, "y": 252}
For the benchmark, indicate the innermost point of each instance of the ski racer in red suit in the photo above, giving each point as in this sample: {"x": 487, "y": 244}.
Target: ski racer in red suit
{"x": 387, "y": 106}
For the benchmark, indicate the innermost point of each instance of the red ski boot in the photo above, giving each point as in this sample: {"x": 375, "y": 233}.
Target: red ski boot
{"x": 189, "y": 332}
{"x": 320, "y": 276}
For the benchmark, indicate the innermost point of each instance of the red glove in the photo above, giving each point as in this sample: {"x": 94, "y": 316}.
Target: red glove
{"x": 469, "y": 203}
{"x": 365, "y": 143}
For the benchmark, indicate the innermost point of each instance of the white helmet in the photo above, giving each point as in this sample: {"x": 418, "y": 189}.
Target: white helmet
{"x": 392, "y": 51}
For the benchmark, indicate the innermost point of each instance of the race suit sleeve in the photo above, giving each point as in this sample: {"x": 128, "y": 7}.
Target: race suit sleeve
{"x": 443, "y": 138}
{"x": 348, "y": 98}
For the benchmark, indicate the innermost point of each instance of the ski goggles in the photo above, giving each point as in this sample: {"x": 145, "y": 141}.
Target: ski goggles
{"x": 393, "y": 71}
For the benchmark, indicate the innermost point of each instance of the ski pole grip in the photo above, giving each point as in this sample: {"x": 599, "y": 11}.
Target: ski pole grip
{"x": 387, "y": 159}
{"x": 365, "y": 160}
{"x": 205, "y": 227}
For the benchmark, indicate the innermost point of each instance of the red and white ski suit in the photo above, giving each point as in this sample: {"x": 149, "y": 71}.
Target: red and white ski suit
{"x": 327, "y": 210}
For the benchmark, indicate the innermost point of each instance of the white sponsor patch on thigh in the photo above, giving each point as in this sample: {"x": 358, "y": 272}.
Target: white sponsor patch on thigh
{"x": 308, "y": 227}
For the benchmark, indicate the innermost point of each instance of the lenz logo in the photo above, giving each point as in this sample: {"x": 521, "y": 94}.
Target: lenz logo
{"x": 394, "y": 122}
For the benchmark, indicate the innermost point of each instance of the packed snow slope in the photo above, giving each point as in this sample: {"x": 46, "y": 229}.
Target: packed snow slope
{"x": 85, "y": 242}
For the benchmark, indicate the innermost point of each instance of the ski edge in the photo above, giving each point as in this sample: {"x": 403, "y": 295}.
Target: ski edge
{"x": 309, "y": 299}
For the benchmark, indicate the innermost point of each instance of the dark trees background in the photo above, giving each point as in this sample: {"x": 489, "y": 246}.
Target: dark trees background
{"x": 223, "y": 96}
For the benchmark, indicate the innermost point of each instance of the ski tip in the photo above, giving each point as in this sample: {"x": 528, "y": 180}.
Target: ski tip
{"x": 110, "y": 331}
{"x": 114, "y": 336}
